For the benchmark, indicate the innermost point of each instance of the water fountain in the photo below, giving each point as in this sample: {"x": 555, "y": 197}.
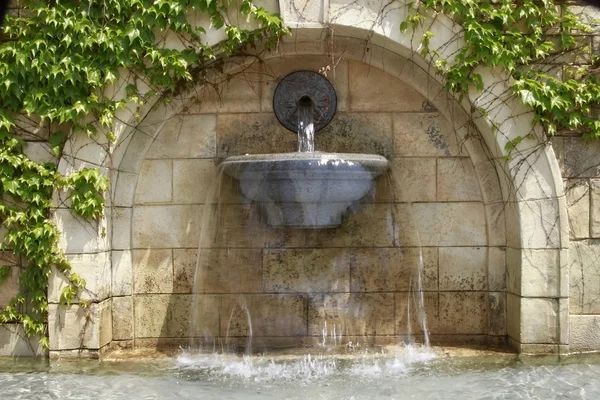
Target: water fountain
{"x": 307, "y": 189}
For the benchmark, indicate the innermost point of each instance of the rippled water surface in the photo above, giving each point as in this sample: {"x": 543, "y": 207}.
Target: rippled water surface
{"x": 408, "y": 375}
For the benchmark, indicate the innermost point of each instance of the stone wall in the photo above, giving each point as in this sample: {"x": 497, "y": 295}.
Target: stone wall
{"x": 293, "y": 282}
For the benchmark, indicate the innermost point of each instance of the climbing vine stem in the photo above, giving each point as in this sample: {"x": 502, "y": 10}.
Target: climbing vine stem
{"x": 58, "y": 61}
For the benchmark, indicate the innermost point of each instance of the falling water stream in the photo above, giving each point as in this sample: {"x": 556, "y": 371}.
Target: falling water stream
{"x": 306, "y": 125}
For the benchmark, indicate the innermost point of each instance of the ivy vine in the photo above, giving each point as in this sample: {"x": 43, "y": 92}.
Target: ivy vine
{"x": 520, "y": 37}
{"x": 56, "y": 64}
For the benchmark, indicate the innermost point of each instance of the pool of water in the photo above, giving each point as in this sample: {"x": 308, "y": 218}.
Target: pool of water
{"x": 413, "y": 374}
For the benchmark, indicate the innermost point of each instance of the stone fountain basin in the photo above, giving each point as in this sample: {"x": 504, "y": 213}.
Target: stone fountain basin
{"x": 308, "y": 190}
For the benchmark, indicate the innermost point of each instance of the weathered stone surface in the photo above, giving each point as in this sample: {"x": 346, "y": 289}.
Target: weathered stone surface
{"x": 357, "y": 313}
{"x": 121, "y": 228}
{"x": 463, "y": 268}
{"x": 495, "y": 215}
{"x": 371, "y": 226}
{"x": 463, "y": 312}
{"x": 30, "y": 127}
{"x": 369, "y": 133}
{"x": 414, "y": 179}
{"x": 14, "y": 342}
{"x": 533, "y": 273}
{"x": 105, "y": 326}
{"x": 539, "y": 320}
{"x": 456, "y": 180}
{"x": 270, "y": 315}
{"x": 39, "y": 152}
{"x": 489, "y": 184}
{"x": 165, "y": 226}
{"x": 243, "y": 226}
{"x": 219, "y": 270}
{"x": 135, "y": 152}
{"x": 9, "y": 288}
{"x": 584, "y": 277}
{"x": 584, "y": 333}
{"x": 193, "y": 180}
{"x": 441, "y": 224}
{"x": 73, "y": 327}
{"x": 582, "y": 158}
{"x": 408, "y": 305}
{"x": 277, "y": 68}
{"x": 307, "y": 270}
{"x": 79, "y": 235}
{"x": 186, "y": 136}
{"x": 124, "y": 189}
{"x": 539, "y": 224}
{"x": 94, "y": 268}
{"x": 578, "y": 203}
{"x": 392, "y": 269}
{"x": 374, "y": 90}
{"x": 557, "y": 143}
{"x": 122, "y": 273}
{"x": 166, "y": 315}
{"x": 423, "y": 135}
{"x": 241, "y": 93}
{"x": 122, "y": 318}
{"x": 496, "y": 269}
{"x": 155, "y": 182}
{"x": 595, "y": 208}
{"x": 152, "y": 271}
{"x": 497, "y": 313}
{"x": 240, "y": 134}
{"x": 513, "y": 317}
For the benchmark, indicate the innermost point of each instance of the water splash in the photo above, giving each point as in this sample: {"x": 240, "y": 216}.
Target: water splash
{"x": 306, "y": 125}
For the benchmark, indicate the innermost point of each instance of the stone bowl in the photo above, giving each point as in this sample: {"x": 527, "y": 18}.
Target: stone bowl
{"x": 305, "y": 190}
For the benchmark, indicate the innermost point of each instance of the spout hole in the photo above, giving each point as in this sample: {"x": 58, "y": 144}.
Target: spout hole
{"x": 305, "y": 101}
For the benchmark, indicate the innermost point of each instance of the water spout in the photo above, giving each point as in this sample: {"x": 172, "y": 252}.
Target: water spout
{"x": 306, "y": 125}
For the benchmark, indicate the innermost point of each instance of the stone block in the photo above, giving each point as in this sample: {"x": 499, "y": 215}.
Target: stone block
{"x": 239, "y": 94}
{"x": 155, "y": 182}
{"x": 584, "y": 277}
{"x": 239, "y": 134}
{"x": 557, "y": 143}
{"x": 463, "y": 313}
{"x": 193, "y": 180}
{"x": 414, "y": 179}
{"x": 374, "y": 90}
{"x": 533, "y": 273}
{"x": 105, "y": 326}
{"x": 220, "y": 270}
{"x": 578, "y": 203}
{"x": 265, "y": 314}
{"x": 166, "y": 226}
{"x": 74, "y": 327}
{"x": 463, "y": 268}
{"x": 441, "y": 224}
{"x": 513, "y": 317}
{"x": 595, "y": 208}
{"x": 584, "y": 333}
{"x": 336, "y": 71}
{"x": 9, "y": 287}
{"x": 424, "y": 135}
{"x": 184, "y": 269}
{"x": 39, "y": 152}
{"x": 122, "y": 318}
{"x": 124, "y": 191}
{"x": 412, "y": 315}
{"x": 168, "y": 316}
{"x": 152, "y": 271}
{"x": 80, "y": 235}
{"x": 582, "y": 158}
{"x": 94, "y": 268}
{"x": 30, "y": 127}
{"x": 121, "y": 228}
{"x": 497, "y": 313}
{"x": 369, "y": 133}
{"x": 358, "y": 314}
{"x": 244, "y": 226}
{"x": 495, "y": 215}
{"x": 14, "y": 342}
{"x": 135, "y": 152}
{"x": 307, "y": 270}
{"x": 122, "y": 273}
{"x": 371, "y": 226}
{"x": 537, "y": 226}
{"x": 489, "y": 183}
{"x": 496, "y": 268}
{"x": 539, "y": 320}
{"x": 392, "y": 269}
{"x": 456, "y": 180}
{"x": 186, "y": 136}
